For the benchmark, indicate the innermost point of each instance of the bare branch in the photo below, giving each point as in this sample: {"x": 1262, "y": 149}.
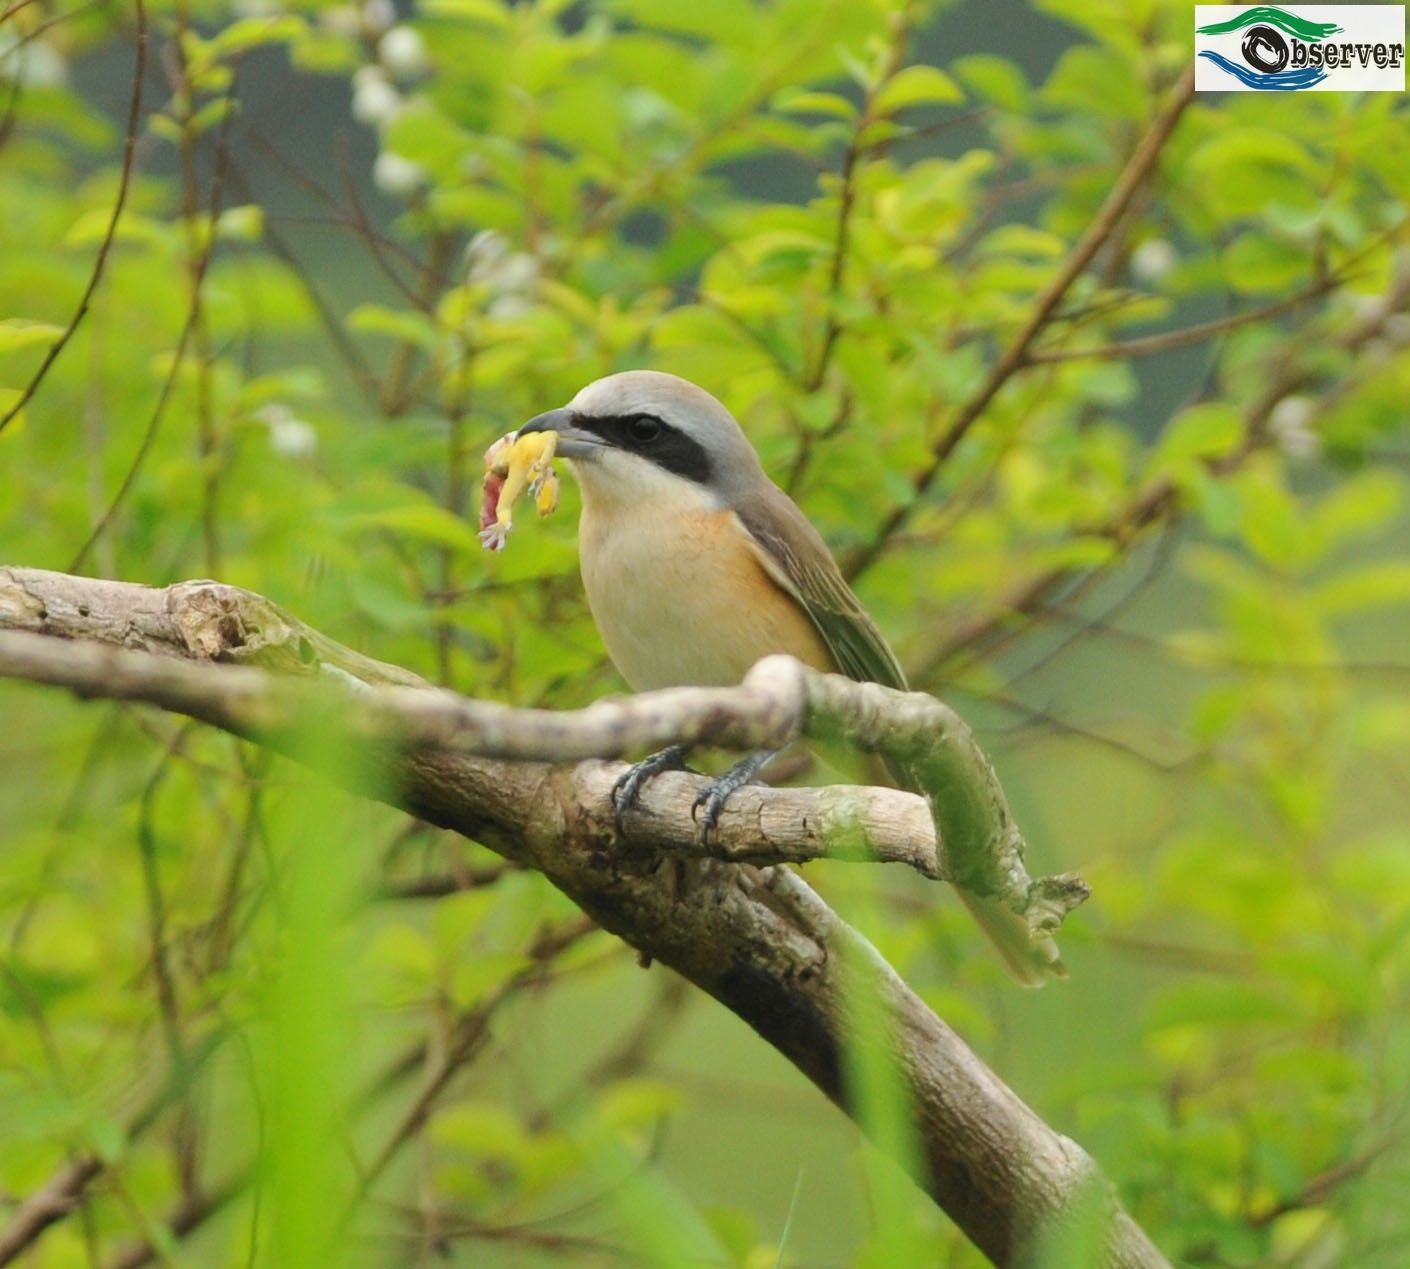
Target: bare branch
{"x": 759, "y": 940}
{"x": 129, "y": 152}
{"x": 54, "y": 1200}
{"x": 1164, "y": 341}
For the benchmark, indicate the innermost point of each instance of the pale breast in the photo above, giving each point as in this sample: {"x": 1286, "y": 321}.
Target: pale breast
{"x": 679, "y": 598}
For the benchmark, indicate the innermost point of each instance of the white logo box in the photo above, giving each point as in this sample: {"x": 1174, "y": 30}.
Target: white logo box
{"x": 1300, "y": 48}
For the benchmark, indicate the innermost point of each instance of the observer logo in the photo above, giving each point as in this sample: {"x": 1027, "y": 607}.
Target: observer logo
{"x": 1324, "y": 47}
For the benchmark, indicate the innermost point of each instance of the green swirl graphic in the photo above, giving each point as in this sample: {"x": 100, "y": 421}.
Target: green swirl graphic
{"x": 1290, "y": 22}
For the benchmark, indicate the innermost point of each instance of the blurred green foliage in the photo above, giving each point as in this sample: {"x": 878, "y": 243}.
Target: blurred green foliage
{"x": 286, "y": 1022}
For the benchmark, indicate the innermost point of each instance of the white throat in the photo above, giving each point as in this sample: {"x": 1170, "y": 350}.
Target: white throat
{"x": 628, "y": 488}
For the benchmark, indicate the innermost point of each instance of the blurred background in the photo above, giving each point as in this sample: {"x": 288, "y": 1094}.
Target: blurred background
{"x": 1163, "y": 575}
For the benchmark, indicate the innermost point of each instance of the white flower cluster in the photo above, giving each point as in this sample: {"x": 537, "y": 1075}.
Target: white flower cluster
{"x": 368, "y": 19}
{"x": 1153, "y": 260}
{"x": 508, "y": 277}
{"x": 1291, "y": 425}
{"x": 378, "y": 88}
{"x": 31, "y": 63}
{"x": 289, "y": 435}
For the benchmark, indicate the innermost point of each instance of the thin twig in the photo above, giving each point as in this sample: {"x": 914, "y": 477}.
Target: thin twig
{"x": 188, "y": 329}
{"x": 129, "y": 151}
{"x": 1164, "y": 341}
{"x": 469, "y": 1034}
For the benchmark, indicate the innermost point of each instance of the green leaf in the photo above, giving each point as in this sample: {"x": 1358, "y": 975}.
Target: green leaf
{"x": 426, "y": 136}
{"x": 1358, "y": 508}
{"x": 1242, "y": 170}
{"x": 795, "y": 101}
{"x": 1088, "y": 79}
{"x": 17, "y": 333}
{"x": 426, "y": 522}
{"x": 404, "y": 950}
{"x": 634, "y": 1103}
{"x": 1272, "y": 521}
{"x": 108, "y": 1138}
{"x": 737, "y": 1231}
{"x": 483, "y": 1129}
{"x": 212, "y": 113}
{"x": 994, "y": 79}
{"x": 916, "y": 86}
{"x": 407, "y": 325}
{"x": 1023, "y": 240}
{"x": 1295, "y": 1235}
{"x": 1256, "y": 263}
{"x": 247, "y": 33}
{"x": 1215, "y": 499}
{"x": 489, "y": 12}
{"x": 1201, "y": 431}
{"x": 477, "y": 976}
{"x": 92, "y": 227}
{"x": 1364, "y": 587}
{"x": 1235, "y": 150}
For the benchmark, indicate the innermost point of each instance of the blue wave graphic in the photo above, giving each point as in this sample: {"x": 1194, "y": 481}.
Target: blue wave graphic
{"x": 1283, "y": 81}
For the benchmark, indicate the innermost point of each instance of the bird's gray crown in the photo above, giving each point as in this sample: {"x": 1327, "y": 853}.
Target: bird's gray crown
{"x": 668, "y": 421}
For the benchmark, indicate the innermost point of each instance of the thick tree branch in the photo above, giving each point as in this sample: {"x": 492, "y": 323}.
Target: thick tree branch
{"x": 779, "y": 701}
{"x": 757, "y": 939}
{"x": 758, "y": 825}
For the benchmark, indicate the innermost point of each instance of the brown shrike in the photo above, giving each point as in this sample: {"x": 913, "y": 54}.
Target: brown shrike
{"x": 696, "y": 565}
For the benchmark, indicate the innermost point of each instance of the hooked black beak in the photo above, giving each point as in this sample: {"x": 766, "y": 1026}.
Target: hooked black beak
{"x": 573, "y": 441}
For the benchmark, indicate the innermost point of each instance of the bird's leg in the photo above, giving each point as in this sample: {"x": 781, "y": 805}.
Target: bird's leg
{"x": 629, "y": 785}
{"x": 713, "y": 797}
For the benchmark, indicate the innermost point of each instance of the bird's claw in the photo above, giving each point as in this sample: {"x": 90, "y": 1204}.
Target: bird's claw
{"x": 712, "y": 798}
{"x": 631, "y": 782}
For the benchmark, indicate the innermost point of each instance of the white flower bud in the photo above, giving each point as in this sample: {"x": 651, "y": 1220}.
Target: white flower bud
{"x": 1153, "y": 260}
{"x": 395, "y": 175}
{"x": 403, "y": 52}
{"x": 378, "y": 15}
{"x": 508, "y": 307}
{"x": 484, "y": 253}
{"x": 34, "y": 64}
{"x": 289, "y": 436}
{"x": 376, "y": 101}
{"x": 1291, "y": 425}
{"x": 519, "y": 273}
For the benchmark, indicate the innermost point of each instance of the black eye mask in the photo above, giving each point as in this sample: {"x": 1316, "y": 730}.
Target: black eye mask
{"x": 653, "y": 439}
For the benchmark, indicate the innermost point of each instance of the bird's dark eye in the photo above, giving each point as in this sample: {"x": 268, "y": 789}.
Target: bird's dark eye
{"x": 643, "y": 428}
